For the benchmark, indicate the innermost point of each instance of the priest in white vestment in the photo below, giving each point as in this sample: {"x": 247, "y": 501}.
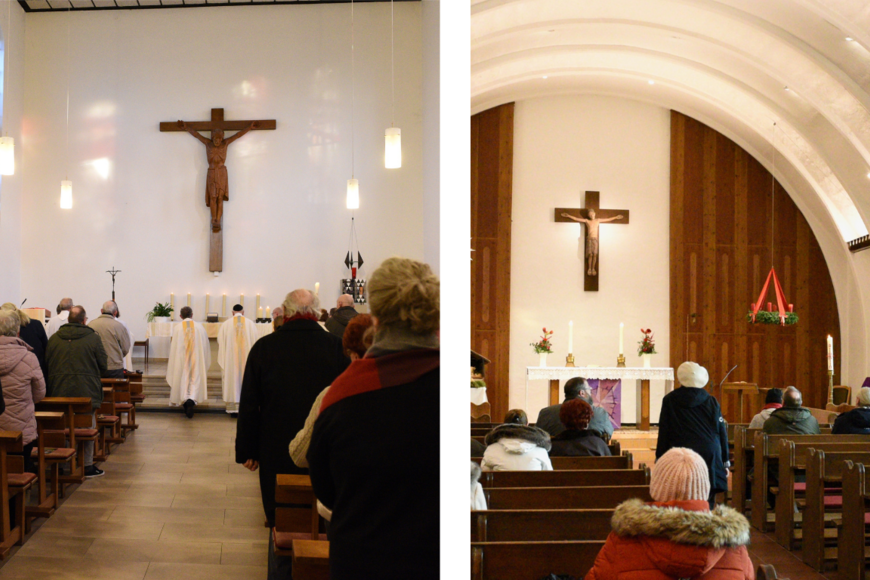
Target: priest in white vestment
{"x": 62, "y": 317}
{"x": 189, "y": 359}
{"x": 235, "y": 339}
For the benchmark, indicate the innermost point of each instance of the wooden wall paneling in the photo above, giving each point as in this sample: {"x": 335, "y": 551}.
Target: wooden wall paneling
{"x": 721, "y": 234}
{"x": 491, "y": 190}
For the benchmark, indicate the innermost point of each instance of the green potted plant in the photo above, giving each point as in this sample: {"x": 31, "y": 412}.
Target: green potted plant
{"x": 160, "y": 313}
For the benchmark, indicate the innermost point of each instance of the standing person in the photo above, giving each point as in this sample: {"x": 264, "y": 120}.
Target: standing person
{"x": 115, "y": 337}
{"x": 61, "y": 318}
{"x": 33, "y": 333}
{"x": 189, "y": 359}
{"x": 76, "y": 362}
{"x": 384, "y": 495}
{"x": 691, "y": 418}
{"x": 575, "y": 388}
{"x": 344, "y": 313}
{"x": 284, "y": 374}
{"x": 235, "y": 338}
{"x": 22, "y": 384}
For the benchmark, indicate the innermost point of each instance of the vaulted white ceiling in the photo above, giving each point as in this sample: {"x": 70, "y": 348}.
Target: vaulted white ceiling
{"x": 738, "y": 65}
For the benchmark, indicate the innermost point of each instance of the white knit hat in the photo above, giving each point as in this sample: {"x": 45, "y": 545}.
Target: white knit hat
{"x": 864, "y": 396}
{"x": 692, "y": 375}
{"x": 680, "y": 474}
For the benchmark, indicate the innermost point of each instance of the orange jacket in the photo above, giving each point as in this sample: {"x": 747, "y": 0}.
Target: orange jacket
{"x": 671, "y": 540}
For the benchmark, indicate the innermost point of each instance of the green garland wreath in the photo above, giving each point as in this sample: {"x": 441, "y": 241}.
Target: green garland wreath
{"x": 765, "y": 317}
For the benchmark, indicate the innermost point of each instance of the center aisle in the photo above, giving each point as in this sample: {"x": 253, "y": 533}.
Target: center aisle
{"x": 172, "y": 504}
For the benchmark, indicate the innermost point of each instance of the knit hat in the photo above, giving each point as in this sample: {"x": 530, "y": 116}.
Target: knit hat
{"x": 692, "y": 375}
{"x": 864, "y": 396}
{"x": 680, "y": 474}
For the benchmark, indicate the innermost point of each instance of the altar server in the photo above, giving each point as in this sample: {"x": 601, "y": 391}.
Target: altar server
{"x": 189, "y": 359}
{"x": 235, "y": 339}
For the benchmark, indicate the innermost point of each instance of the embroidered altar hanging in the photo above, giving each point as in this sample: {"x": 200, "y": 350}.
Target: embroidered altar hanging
{"x": 780, "y": 297}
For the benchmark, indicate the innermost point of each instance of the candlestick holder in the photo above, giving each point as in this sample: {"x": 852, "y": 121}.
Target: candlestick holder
{"x": 569, "y": 360}
{"x": 620, "y": 361}
{"x": 830, "y": 387}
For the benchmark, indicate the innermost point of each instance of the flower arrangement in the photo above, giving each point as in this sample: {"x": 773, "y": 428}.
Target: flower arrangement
{"x": 765, "y": 317}
{"x": 544, "y": 345}
{"x": 648, "y": 344}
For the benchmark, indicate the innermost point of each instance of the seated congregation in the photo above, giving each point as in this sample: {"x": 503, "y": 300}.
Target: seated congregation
{"x": 537, "y": 513}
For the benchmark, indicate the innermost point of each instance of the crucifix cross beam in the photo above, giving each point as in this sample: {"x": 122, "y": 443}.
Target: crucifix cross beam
{"x": 592, "y": 221}
{"x": 216, "y": 182}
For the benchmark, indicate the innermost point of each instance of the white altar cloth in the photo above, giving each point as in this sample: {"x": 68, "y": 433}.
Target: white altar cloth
{"x": 665, "y": 374}
{"x": 478, "y": 396}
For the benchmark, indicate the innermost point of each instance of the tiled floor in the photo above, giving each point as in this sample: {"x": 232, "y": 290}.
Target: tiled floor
{"x": 172, "y": 504}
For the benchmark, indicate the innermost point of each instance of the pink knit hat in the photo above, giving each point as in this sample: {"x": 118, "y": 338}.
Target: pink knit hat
{"x": 680, "y": 474}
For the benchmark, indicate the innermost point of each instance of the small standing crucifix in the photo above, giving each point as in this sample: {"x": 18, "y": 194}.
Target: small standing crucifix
{"x": 216, "y": 182}
{"x": 592, "y": 217}
{"x": 113, "y": 271}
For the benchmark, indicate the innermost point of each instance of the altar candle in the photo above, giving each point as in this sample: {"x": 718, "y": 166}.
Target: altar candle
{"x": 621, "y": 331}
{"x": 172, "y": 304}
{"x": 268, "y": 312}
{"x": 830, "y": 353}
{"x": 188, "y": 298}
{"x": 317, "y": 288}
{"x": 259, "y": 312}
{"x": 242, "y": 300}
{"x": 224, "y": 306}
{"x": 791, "y": 307}
{"x": 770, "y": 307}
{"x": 206, "y": 303}
{"x": 258, "y": 307}
{"x": 570, "y": 336}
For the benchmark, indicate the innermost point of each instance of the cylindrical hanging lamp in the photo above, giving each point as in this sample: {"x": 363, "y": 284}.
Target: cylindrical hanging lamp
{"x": 393, "y": 148}
{"x": 7, "y": 156}
{"x": 353, "y": 194}
{"x": 66, "y": 194}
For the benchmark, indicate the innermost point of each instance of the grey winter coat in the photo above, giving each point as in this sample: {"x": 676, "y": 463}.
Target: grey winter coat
{"x": 23, "y": 386}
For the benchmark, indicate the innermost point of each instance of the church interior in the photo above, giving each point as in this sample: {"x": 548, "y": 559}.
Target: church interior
{"x": 105, "y": 196}
{"x": 723, "y": 146}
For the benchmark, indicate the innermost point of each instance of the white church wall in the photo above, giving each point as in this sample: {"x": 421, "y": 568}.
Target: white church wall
{"x": 139, "y": 193}
{"x": 622, "y": 149}
{"x": 11, "y": 186}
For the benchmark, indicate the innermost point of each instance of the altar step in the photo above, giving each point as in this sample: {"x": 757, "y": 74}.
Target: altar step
{"x": 156, "y": 391}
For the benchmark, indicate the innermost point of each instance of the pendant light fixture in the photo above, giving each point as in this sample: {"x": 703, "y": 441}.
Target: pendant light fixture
{"x": 66, "y": 199}
{"x": 7, "y": 144}
{"x": 393, "y": 135}
{"x": 352, "y": 183}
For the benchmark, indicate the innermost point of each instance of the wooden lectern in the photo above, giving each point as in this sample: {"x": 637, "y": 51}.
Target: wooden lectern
{"x": 741, "y": 389}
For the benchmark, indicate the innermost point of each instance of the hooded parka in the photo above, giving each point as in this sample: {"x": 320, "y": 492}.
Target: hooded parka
{"x": 675, "y": 539}
{"x": 76, "y": 362}
{"x": 854, "y": 422}
{"x": 797, "y": 420}
{"x": 511, "y": 447}
{"x": 23, "y": 385}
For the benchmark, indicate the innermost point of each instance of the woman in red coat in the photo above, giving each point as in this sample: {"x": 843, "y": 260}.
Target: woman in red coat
{"x": 676, "y": 536}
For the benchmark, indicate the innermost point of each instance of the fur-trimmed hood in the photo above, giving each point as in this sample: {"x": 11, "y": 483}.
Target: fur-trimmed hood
{"x": 722, "y": 528}
{"x": 524, "y": 433}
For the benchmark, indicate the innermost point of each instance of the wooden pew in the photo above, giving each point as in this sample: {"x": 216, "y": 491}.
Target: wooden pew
{"x": 766, "y": 572}
{"x": 744, "y": 440}
{"x": 49, "y": 453}
{"x": 123, "y": 405}
{"x": 592, "y": 497}
{"x": 824, "y": 469}
{"x": 107, "y": 420}
{"x": 532, "y": 560}
{"x": 624, "y": 461}
{"x": 299, "y": 520}
{"x": 11, "y": 530}
{"x": 852, "y": 552}
{"x": 614, "y": 446}
{"x": 765, "y": 453}
{"x": 792, "y": 459}
{"x": 136, "y": 395}
{"x": 78, "y": 429}
{"x": 540, "y": 525}
{"x": 565, "y": 478}
{"x": 310, "y": 560}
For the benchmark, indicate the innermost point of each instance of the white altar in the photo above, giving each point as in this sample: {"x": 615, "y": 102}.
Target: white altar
{"x": 159, "y": 336}
{"x": 642, "y": 409}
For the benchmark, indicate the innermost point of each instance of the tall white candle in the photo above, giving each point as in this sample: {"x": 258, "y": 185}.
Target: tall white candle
{"x": 830, "y": 353}
{"x": 242, "y": 300}
{"x": 317, "y": 288}
{"x": 224, "y": 306}
{"x": 268, "y": 312}
{"x": 621, "y": 336}
{"x": 188, "y": 298}
{"x": 259, "y": 312}
{"x": 258, "y": 307}
{"x": 570, "y": 336}
{"x": 172, "y": 304}
{"x": 206, "y": 303}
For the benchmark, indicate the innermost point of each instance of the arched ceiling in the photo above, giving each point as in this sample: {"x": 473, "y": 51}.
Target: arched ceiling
{"x": 738, "y": 65}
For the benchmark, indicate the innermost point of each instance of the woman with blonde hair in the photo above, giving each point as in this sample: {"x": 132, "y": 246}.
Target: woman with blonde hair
{"x": 33, "y": 333}
{"x": 371, "y": 460}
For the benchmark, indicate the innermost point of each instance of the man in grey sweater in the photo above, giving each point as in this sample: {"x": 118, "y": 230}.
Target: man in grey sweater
{"x": 115, "y": 338}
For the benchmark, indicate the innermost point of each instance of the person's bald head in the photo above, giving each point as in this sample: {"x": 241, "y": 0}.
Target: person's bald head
{"x": 344, "y": 300}
{"x": 65, "y": 304}
{"x": 301, "y": 301}
{"x": 792, "y": 398}
{"x": 109, "y": 307}
{"x": 77, "y": 315}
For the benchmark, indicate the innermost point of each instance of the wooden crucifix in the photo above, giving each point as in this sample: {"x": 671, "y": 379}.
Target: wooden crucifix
{"x": 591, "y": 216}
{"x": 216, "y": 182}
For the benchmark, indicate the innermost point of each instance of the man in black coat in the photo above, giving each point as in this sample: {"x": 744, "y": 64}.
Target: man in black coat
{"x": 691, "y": 418}
{"x": 344, "y": 313}
{"x": 285, "y": 372}
{"x": 33, "y": 333}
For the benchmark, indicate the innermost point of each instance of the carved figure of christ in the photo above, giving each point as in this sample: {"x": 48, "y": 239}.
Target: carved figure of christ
{"x": 592, "y": 237}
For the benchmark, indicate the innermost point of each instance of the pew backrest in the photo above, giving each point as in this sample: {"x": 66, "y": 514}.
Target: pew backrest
{"x": 565, "y": 478}
{"x": 592, "y": 497}
{"x": 540, "y": 525}
{"x": 532, "y": 560}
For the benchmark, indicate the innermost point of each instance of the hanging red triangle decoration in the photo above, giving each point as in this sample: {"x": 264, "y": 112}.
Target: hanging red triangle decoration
{"x": 786, "y": 315}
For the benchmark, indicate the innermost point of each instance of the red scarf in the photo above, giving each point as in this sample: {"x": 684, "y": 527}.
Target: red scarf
{"x": 772, "y": 406}
{"x": 301, "y": 317}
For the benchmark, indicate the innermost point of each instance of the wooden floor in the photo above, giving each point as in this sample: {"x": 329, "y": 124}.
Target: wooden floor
{"x": 172, "y": 504}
